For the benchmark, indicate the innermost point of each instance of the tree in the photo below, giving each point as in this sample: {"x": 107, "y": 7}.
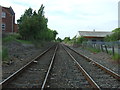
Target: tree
{"x": 59, "y": 39}
{"x": 66, "y": 39}
{"x": 114, "y": 36}
{"x": 80, "y": 40}
{"x": 55, "y": 34}
{"x": 29, "y": 12}
{"x": 33, "y": 26}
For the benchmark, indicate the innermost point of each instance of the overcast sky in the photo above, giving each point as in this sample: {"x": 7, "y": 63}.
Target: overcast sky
{"x": 68, "y": 17}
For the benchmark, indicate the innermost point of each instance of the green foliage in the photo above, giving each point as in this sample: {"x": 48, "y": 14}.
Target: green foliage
{"x": 24, "y": 41}
{"x": 8, "y": 39}
{"x": 15, "y": 37}
{"x": 74, "y": 40}
{"x": 59, "y": 39}
{"x": 94, "y": 50}
{"x": 116, "y": 56}
{"x": 4, "y": 54}
{"x": 33, "y": 26}
{"x": 67, "y": 39}
{"x": 54, "y": 34}
{"x": 80, "y": 40}
{"x": 115, "y": 36}
{"x": 11, "y": 37}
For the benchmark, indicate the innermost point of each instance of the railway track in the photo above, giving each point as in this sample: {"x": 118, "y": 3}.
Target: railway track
{"x": 65, "y": 74}
{"x": 62, "y": 67}
{"x": 28, "y": 76}
{"x": 102, "y": 76}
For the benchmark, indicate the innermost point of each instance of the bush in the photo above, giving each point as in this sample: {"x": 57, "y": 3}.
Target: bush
{"x": 80, "y": 40}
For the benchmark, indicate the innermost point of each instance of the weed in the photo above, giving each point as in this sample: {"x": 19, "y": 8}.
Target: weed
{"x": 93, "y": 50}
{"x": 15, "y": 37}
{"x": 4, "y": 54}
{"x": 116, "y": 56}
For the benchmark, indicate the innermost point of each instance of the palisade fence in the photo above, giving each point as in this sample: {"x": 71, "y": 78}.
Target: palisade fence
{"x": 108, "y": 47}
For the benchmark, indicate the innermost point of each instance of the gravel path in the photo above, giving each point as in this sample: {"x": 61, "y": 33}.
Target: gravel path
{"x": 65, "y": 74}
{"x": 33, "y": 76}
{"x": 101, "y": 78}
{"x": 20, "y": 54}
{"x": 101, "y": 57}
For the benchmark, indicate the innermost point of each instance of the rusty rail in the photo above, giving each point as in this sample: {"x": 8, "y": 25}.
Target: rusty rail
{"x": 49, "y": 69}
{"x": 87, "y": 76}
{"x": 115, "y": 75}
{"x": 18, "y": 72}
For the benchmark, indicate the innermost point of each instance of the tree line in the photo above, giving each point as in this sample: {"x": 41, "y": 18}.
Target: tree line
{"x": 33, "y": 26}
{"x": 115, "y": 36}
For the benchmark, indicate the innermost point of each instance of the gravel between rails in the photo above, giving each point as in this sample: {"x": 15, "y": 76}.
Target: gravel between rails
{"x": 34, "y": 75}
{"x": 101, "y": 57}
{"x": 65, "y": 74}
{"x": 101, "y": 78}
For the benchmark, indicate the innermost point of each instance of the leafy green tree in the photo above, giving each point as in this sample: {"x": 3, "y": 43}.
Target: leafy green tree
{"x": 66, "y": 39}
{"x": 33, "y": 26}
{"x": 114, "y": 36}
{"x": 29, "y": 12}
{"x": 59, "y": 39}
{"x": 55, "y": 34}
{"x": 74, "y": 39}
{"x": 80, "y": 40}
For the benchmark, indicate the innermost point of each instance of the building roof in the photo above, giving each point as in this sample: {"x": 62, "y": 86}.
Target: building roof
{"x": 93, "y": 33}
{"x": 9, "y": 10}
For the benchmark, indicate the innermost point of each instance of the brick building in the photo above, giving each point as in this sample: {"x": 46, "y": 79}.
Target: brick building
{"x": 7, "y": 16}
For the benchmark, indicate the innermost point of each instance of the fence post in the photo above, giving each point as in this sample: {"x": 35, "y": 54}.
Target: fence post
{"x": 102, "y": 48}
{"x": 113, "y": 50}
{"x": 106, "y": 49}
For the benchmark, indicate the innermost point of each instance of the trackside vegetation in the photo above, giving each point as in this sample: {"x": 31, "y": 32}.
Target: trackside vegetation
{"x": 113, "y": 37}
{"x": 33, "y": 26}
{"x": 4, "y": 54}
{"x": 15, "y": 37}
{"x": 74, "y": 40}
{"x": 33, "y": 29}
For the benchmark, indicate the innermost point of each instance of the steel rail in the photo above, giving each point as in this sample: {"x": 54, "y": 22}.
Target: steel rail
{"x": 87, "y": 76}
{"x": 112, "y": 73}
{"x": 18, "y": 72}
{"x": 49, "y": 69}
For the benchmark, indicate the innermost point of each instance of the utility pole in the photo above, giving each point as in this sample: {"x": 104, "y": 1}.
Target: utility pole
{"x": 119, "y": 14}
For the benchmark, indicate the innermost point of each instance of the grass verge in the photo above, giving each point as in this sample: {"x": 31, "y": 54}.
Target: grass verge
{"x": 4, "y": 54}
{"x": 116, "y": 56}
{"x": 93, "y": 50}
{"x": 14, "y": 37}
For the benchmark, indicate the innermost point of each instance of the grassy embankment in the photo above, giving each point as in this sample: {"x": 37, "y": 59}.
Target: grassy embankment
{"x": 10, "y": 38}
{"x": 116, "y": 56}
{"x": 16, "y": 37}
{"x": 93, "y": 50}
